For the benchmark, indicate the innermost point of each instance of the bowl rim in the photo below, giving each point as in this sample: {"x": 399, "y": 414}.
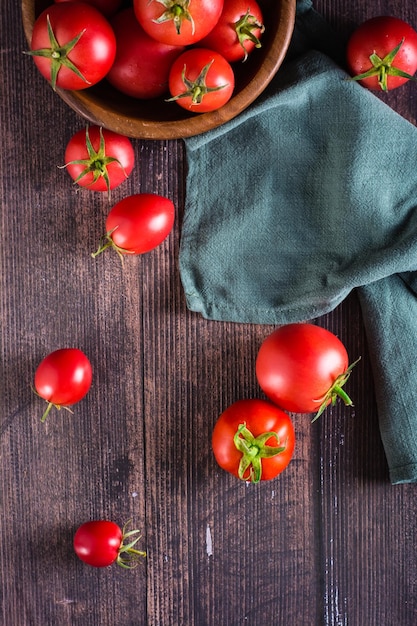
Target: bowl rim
{"x": 118, "y": 121}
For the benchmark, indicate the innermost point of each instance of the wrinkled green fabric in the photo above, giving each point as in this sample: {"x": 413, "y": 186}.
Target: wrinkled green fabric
{"x": 309, "y": 194}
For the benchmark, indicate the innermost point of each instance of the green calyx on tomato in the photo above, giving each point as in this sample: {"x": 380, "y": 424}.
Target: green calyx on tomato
{"x": 107, "y": 242}
{"x": 336, "y": 391}
{"x": 177, "y": 11}
{"x": 59, "y": 54}
{"x": 245, "y": 28}
{"x": 197, "y": 89}
{"x": 97, "y": 162}
{"x": 128, "y": 556}
{"x": 382, "y": 68}
{"x": 253, "y": 450}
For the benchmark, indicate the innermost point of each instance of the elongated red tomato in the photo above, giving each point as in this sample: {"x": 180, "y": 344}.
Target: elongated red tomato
{"x": 100, "y": 543}
{"x": 178, "y": 22}
{"x": 253, "y": 440}
{"x": 302, "y": 368}
{"x": 63, "y": 378}
{"x": 73, "y": 45}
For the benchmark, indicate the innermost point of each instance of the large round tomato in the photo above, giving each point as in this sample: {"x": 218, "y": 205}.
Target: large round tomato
{"x": 201, "y": 80}
{"x": 98, "y": 158}
{"x": 106, "y": 7}
{"x": 73, "y": 45}
{"x": 302, "y": 368}
{"x": 237, "y": 31}
{"x": 101, "y": 543}
{"x": 142, "y": 64}
{"x": 178, "y": 22}
{"x": 138, "y": 224}
{"x": 253, "y": 440}
{"x": 63, "y": 378}
{"x": 382, "y": 53}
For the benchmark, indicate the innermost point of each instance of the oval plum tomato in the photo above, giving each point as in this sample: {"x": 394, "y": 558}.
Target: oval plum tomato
{"x": 178, "y": 22}
{"x": 142, "y": 64}
{"x": 63, "y": 378}
{"x": 106, "y": 7}
{"x": 101, "y": 542}
{"x": 302, "y": 368}
{"x": 253, "y": 440}
{"x": 73, "y": 45}
{"x": 98, "y": 158}
{"x": 138, "y": 224}
{"x": 237, "y": 31}
{"x": 382, "y": 53}
{"x": 201, "y": 80}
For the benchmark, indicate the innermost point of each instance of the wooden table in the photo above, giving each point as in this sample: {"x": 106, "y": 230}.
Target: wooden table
{"x": 330, "y": 542}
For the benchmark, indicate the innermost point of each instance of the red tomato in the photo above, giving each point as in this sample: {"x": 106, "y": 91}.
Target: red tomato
{"x": 101, "y": 542}
{"x": 302, "y": 368}
{"x": 201, "y": 80}
{"x": 253, "y": 440}
{"x": 138, "y": 224}
{"x": 142, "y": 64}
{"x": 98, "y": 158}
{"x": 63, "y": 378}
{"x": 106, "y": 7}
{"x": 382, "y": 53}
{"x": 178, "y": 22}
{"x": 238, "y": 30}
{"x": 77, "y": 50}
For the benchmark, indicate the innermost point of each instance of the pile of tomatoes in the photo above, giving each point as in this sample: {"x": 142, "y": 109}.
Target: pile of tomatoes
{"x": 181, "y": 48}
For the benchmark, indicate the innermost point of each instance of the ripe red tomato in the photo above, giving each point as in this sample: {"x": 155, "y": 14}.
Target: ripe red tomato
{"x": 101, "y": 542}
{"x": 201, "y": 80}
{"x": 106, "y": 7}
{"x": 237, "y": 31}
{"x": 98, "y": 158}
{"x": 63, "y": 378}
{"x": 72, "y": 45}
{"x": 142, "y": 64}
{"x": 302, "y": 368}
{"x": 382, "y": 53}
{"x": 138, "y": 224}
{"x": 178, "y": 22}
{"x": 253, "y": 440}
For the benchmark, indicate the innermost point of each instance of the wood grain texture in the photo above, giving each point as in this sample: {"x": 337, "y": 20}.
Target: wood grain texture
{"x": 329, "y": 543}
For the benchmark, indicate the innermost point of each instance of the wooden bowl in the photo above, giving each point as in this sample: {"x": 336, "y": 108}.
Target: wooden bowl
{"x": 157, "y": 119}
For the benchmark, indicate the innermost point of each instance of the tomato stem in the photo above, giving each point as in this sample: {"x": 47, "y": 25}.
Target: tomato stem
{"x": 336, "y": 392}
{"x": 382, "y": 68}
{"x": 175, "y": 11}
{"x": 128, "y": 556}
{"x": 253, "y": 450}
{"x": 244, "y": 28}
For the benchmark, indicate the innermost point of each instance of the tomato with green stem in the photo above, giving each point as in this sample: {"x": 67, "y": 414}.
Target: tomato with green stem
{"x": 99, "y": 159}
{"x": 253, "y": 440}
{"x": 63, "y": 378}
{"x": 72, "y": 45}
{"x": 100, "y": 543}
{"x": 303, "y": 367}
{"x": 382, "y": 53}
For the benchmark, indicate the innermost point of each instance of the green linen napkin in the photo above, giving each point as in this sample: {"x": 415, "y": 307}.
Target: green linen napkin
{"x": 309, "y": 194}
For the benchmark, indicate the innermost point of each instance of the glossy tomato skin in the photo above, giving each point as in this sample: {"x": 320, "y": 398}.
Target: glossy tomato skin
{"x": 106, "y": 7}
{"x": 203, "y": 13}
{"x": 116, "y": 146}
{"x": 381, "y": 35}
{"x": 142, "y": 64}
{"x": 223, "y": 37}
{"x": 94, "y": 53}
{"x": 139, "y": 223}
{"x": 297, "y": 364}
{"x": 260, "y": 417}
{"x": 220, "y": 74}
{"x": 97, "y": 542}
{"x": 63, "y": 377}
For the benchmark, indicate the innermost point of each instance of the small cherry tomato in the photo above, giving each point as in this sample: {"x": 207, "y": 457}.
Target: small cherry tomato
{"x": 63, "y": 378}
{"x": 201, "y": 80}
{"x": 382, "y": 53}
{"x": 100, "y": 543}
{"x": 138, "y": 224}
{"x": 302, "y": 368}
{"x": 73, "y": 45}
{"x": 253, "y": 440}
{"x": 99, "y": 159}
